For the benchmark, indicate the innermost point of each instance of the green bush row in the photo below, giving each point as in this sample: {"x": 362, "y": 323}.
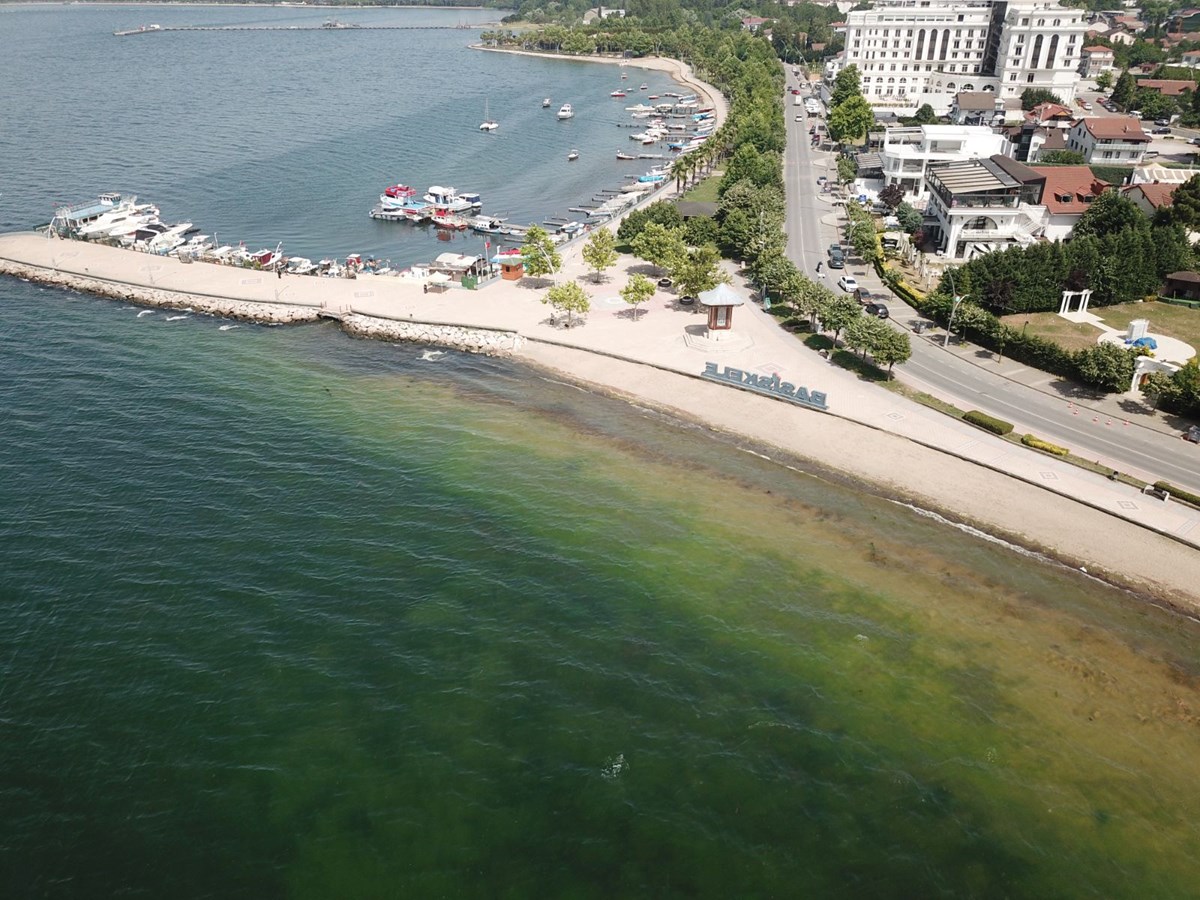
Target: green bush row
{"x": 1178, "y": 493}
{"x": 988, "y": 423}
{"x": 1038, "y": 444}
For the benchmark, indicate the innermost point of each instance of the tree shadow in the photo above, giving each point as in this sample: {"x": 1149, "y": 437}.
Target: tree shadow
{"x": 1133, "y": 407}
{"x": 1074, "y": 390}
{"x": 631, "y": 313}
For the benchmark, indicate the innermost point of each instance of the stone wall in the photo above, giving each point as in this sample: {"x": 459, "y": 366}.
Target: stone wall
{"x": 472, "y": 340}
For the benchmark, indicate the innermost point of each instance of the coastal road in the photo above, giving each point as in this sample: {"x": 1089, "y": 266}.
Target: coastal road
{"x": 1134, "y": 449}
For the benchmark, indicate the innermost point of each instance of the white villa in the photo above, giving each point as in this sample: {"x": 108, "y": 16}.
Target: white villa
{"x": 907, "y": 152}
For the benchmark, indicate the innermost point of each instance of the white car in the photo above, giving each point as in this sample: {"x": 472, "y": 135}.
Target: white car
{"x": 848, "y": 284}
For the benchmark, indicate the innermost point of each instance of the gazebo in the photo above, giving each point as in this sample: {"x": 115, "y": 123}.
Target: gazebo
{"x": 720, "y": 302}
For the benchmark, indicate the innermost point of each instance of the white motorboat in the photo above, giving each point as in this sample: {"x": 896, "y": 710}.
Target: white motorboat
{"x": 546, "y": 103}
{"x": 300, "y": 265}
{"x": 566, "y": 112}
{"x": 450, "y": 200}
{"x": 169, "y": 238}
{"x": 115, "y": 218}
{"x": 572, "y": 156}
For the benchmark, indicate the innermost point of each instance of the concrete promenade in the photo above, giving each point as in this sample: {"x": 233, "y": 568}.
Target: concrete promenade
{"x": 655, "y": 356}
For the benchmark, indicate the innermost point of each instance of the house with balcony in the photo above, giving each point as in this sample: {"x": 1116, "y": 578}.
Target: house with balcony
{"x": 907, "y": 152}
{"x": 977, "y": 207}
{"x": 1096, "y": 59}
{"x": 1056, "y": 197}
{"x": 1111, "y": 140}
{"x": 976, "y": 108}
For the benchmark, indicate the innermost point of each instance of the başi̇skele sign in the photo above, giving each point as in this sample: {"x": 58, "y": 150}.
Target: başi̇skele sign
{"x": 770, "y": 385}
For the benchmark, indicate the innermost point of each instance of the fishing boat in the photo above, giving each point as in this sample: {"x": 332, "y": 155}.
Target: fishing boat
{"x": 546, "y": 103}
{"x": 449, "y": 221}
{"x": 572, "y": 156}
{"x": 565, "y": 111}
{"x": 618, "y": 94}
{"x": 488, "y": 123}
{"x": 450, "y": 200}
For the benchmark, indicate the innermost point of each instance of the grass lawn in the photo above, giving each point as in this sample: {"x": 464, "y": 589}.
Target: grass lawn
{"x": 1178, "y": 322}
{"x": 706, "y": 190}
{"x": 1069, "y": 335}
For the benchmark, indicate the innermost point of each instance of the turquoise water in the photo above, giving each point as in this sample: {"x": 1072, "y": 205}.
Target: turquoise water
{"x": 284, "y": 613}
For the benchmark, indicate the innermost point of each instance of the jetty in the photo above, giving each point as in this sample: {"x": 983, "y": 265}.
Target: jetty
{"x": 328, "y": 26}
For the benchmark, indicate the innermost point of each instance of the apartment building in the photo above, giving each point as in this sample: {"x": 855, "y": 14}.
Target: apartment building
{"x": 911, "y": 52}
{"x": 907, "y": 152}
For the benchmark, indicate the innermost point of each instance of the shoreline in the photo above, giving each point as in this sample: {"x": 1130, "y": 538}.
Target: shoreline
{"x": 507, "y": 319}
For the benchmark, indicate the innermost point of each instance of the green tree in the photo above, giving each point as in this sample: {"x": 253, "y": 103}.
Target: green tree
{"x": 701, "y": 230}
{"x": 865, "y": 334}
{"x": 1104, "y": 81}
{"x": 778, "y": 276}
{"x": 600, "y": 251}
{"x": 910, "y": 220}
{"x": 1031, "y": 97}
{"x": 570, "y": 298}
{"x": 847, "y": 170}
{"x": 637, "y": 291}
{"x": 1124, "y": 90}
{"x": 837, "y": 311}
{"x": 849, "y": 121}
{"x": 660, "y": 211}
{"x": 1110, "y": 213}
{"x": 894, "y": 348}
{"x": 659, "y": 246}
{"x": 1184, "y": 208}
{"x": 1107, "y": 366}
{"x": 698, "y": 270}
{"x": 925, "y": 115}
{"x": 538, "y": 254}
{"x": 848, "y": 84}
{"x": 1062, "y": 158}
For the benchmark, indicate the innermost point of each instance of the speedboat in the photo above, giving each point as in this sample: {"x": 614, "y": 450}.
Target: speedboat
{"x": 448, "y": 199}
{"x": 546, "y": 103}
{"x": 572, "y": 156}
{"x": 565, "y": 111}
{"x": 623, "y": 155}
{"x": 618, "y": 94}
{"x": 644, "y": 87}
{"x": 118, "y": 217}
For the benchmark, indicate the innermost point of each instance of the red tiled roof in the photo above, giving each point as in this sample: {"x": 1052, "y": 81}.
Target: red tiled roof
{"x": 1156, "y": 193}
{"x": 1168, "y": 87}
{"x": 1099, "y": 48}
{"x": 1114, "y": 128}
{"x": 1073, "y": 183}
{"x": 1046, "y": 111}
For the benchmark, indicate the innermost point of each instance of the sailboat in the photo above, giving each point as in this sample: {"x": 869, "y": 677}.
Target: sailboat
{"x": 488, "y": 124}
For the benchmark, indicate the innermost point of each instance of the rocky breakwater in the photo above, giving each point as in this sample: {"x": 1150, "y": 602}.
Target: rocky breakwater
{"x": 473, "y": 340}
{"x": 244, "y": 310}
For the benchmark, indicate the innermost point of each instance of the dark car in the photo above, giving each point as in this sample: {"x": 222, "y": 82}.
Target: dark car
{"x": 835, "y": 248}
{"x": 876, "y": 308}
{"x": 837, "y": 260}
{"x": 1160, "y": 130}
{"x": 1192, "y": 434}
{"x": 1162, "y": 122}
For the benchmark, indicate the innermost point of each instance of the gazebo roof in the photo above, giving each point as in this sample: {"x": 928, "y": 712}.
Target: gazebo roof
{"x": 721, "y": 295}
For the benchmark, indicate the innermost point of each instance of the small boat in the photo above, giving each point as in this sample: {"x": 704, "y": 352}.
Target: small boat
{"x": 546, "y": 103}
{"x": 572, "y": 156}
{"x": 623, "y": 155}
{"x": 443, "y": 219}
{"x": 565, "y": 111}
{"x": 644, "y": 87}
{"x": 488, "y": 123}
{"x": 623, "y": 76}
{"x": 618, "y": 94}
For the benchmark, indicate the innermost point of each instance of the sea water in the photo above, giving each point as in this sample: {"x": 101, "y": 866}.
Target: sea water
{"x": 284, "y": 613}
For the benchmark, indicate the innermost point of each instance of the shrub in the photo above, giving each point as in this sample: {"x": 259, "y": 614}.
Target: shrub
{"x": 1178, "y": 493}
{"x": 1038, "y": 444}
{"x": 988, "y": 423}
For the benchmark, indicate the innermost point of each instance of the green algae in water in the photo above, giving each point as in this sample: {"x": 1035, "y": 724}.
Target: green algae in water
{"x": 355, "y": 626}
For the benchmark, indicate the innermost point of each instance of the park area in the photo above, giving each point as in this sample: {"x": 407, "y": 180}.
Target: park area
{"x": 1178, "y": 322}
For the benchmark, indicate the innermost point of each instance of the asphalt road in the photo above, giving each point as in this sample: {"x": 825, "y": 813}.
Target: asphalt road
{"x": 1143, "y": 452}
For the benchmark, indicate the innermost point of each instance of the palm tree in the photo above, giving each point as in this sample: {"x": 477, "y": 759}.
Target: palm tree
{"x": 679, "y": 171}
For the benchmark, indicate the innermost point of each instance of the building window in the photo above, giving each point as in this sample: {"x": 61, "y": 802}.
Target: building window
{"x": 1012, "y": 77}
{"x": 1029, "y": 78}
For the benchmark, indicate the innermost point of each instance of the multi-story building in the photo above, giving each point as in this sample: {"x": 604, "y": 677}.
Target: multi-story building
{"x": 977, "y": 207}
{"x": 911, "y": 52}
{"x": 907, "y": 152}
{"x": 1118, "y": 140}
{"x": 1096, "y": 59}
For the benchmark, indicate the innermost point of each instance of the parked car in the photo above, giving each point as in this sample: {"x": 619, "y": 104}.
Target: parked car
{"x": 1086, "y": 105}
{"x": 795, "y": 90}
{"x": 835, "y": 248}
{"x": 837, "y": 260}
{"x": 801, "y": 118}
{"x": 848, "y": 283}
{"x": 876, "y": 308}
{"x": 1162, "y": 121}
{"x": 1192, "y": 434}
{"x": 1160, "y": 130}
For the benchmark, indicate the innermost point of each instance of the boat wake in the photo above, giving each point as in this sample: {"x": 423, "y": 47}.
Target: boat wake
{"x": 432, "y": 355}
{"x": 145, "y": 312}
{"x": 227, "y": 327}
{"x": 176, "y": 318}
{"x": 614, "y": 767}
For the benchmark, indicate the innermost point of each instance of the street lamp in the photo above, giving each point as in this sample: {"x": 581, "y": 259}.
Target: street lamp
{"x": 950, "y": 323}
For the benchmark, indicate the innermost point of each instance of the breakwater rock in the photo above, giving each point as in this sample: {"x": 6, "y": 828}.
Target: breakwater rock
{"x": 243, "y": 310}
{"x": 473, "y": 340}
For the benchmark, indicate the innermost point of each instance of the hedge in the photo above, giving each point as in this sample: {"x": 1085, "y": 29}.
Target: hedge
{"x": 1178, "y": 493}
{"x": 988, "y": 423}
{"x": 1180, "y": 301}
{"x": 1038, "y": 444}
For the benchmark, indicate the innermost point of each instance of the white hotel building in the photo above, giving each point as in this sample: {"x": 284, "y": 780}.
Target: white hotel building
{"x": 911, "y": 52}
